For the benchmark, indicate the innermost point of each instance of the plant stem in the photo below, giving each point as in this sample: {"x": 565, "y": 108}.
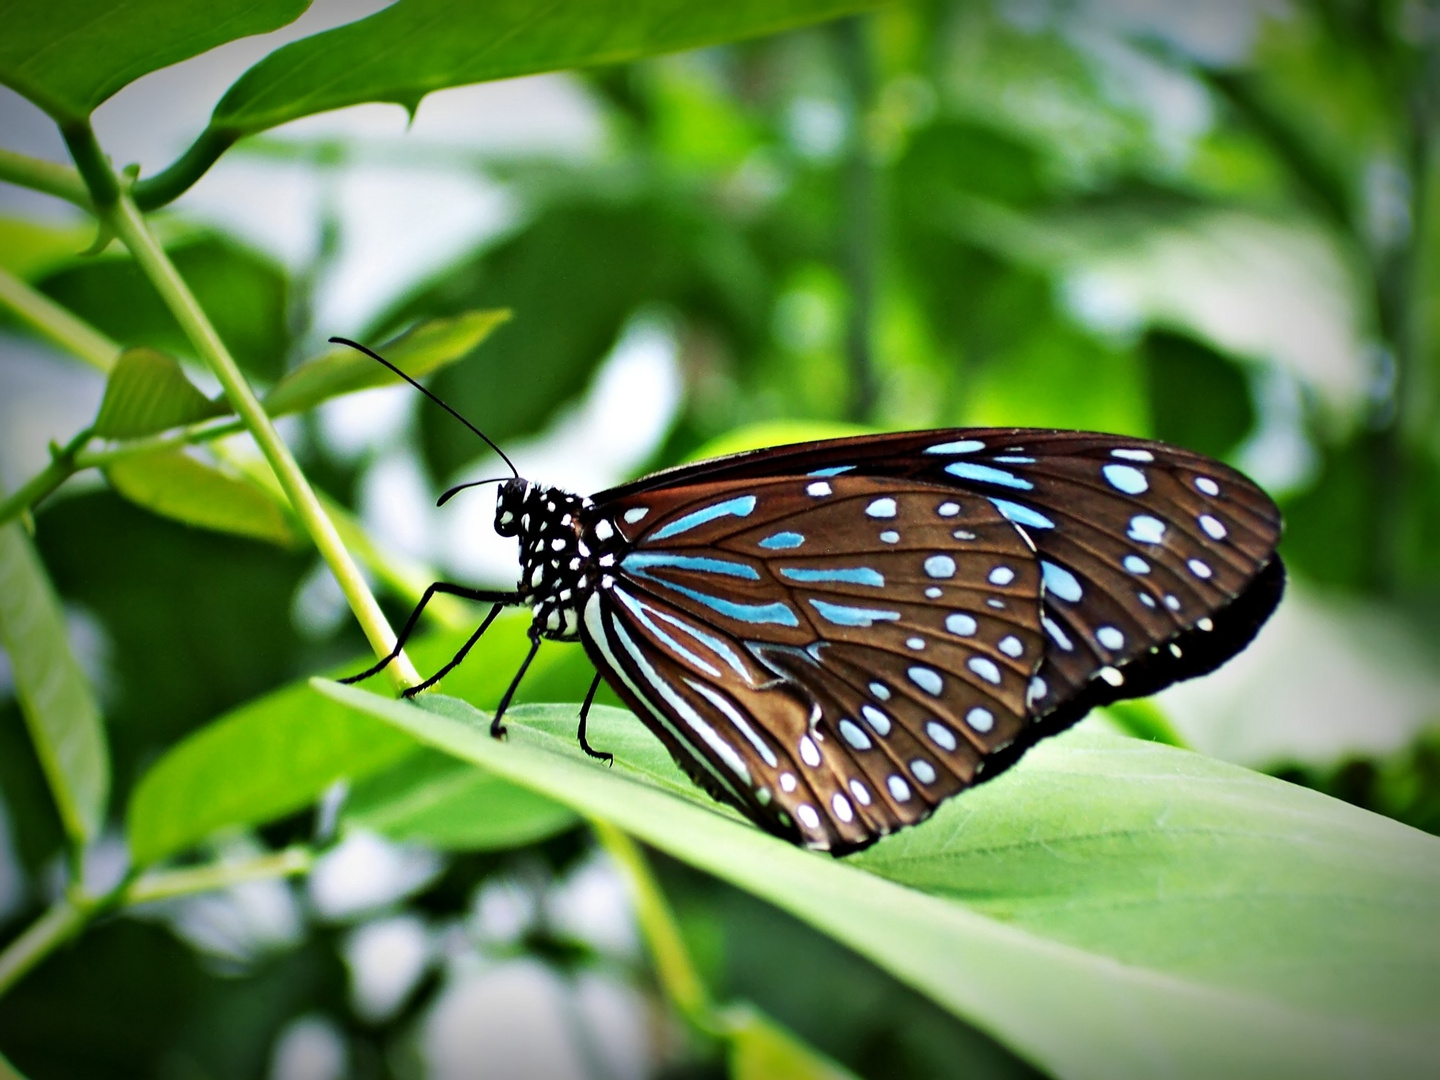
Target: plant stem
{"x": 56, "y": 323}
{"x": 59, "y": 180}
{"x": 673, "y": 966}
{"x": 859, "y": 232}
{"x": 167, "y": 884}
{"x": 125, "y": 219}
{"x": 46, "y": 934}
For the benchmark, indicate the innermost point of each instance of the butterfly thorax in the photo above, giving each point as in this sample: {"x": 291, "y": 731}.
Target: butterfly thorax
{"x": 557, "y": 554}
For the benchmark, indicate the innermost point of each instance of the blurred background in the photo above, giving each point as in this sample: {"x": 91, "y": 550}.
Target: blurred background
{"x": 1210, "y": 224}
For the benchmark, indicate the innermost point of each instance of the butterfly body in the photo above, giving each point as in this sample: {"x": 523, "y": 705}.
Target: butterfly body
{"x": 835, "y": 637}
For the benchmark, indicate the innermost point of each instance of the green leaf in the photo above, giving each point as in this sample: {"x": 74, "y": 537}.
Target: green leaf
{"x": 29, "y": 248}
{"x": 426, "y": 347}
{"x": 263, "y": 760}
{"x": 69, "y": 57}
{"x": 418, "y": 46}
{"x": 1143, "y": 719}
{"x": 55, "y": 696}
{"x": 278, "y": 753}
{"x": 1108, "y": 908}
{"x": 1199, "y": 396}
{"x": 177, "y": 486}
{"x": 147, "y": 392}
{"x": 760, "y": 1049}
{"x": 431, "y": 798}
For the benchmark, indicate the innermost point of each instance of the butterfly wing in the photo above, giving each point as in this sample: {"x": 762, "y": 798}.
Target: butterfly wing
{"x": 832, "y": 656}
{"x": 1143, "y": 546}
{"x": 995, "y": 583}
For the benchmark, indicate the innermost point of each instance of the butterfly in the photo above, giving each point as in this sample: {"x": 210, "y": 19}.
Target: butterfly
{"x": 834, "y": 637}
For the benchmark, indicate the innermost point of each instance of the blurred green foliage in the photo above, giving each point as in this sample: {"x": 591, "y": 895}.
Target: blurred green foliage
{"x": 891, "y": 222}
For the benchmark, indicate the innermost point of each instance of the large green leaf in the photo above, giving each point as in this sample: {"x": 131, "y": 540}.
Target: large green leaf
{"x": 278, "y": 753}
{"x": 415, "y": 47}
{"x": 69, "y": 57}
{"x": 1108, "y": 908}
{"x": 179, "y": 487}
{"x": 55, "y": 696}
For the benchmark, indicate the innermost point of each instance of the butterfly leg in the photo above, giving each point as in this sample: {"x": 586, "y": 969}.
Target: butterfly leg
{"x": 497, "y": 729}
{"x": 411, "y": 691}
{"x": 437, "y": 587}
{"x": 585, "y": 715}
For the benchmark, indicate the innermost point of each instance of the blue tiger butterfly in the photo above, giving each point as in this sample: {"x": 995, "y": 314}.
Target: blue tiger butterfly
{"x": 836, "y": 636}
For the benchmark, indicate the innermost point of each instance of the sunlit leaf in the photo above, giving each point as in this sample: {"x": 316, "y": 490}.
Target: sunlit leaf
{"x": 69, "y": 57}
{"x": 1108, "y": 908}
{"x": 177, "y": 486}
{"x": 419, "y": 46}
{"x": 278, "y": 753}
{"x": 147, "y": 392}
{"x": 55, "y": 696}
{"x": 28, "y": 248}
{"x": 419, "y": 351}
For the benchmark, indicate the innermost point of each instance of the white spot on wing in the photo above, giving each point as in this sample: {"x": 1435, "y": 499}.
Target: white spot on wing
{"x": 1213, "y": 526}
{"x": 940, "y": 735}
{"x": 1133, "y": 455}
{"x": 985, "y": 668}
{"x": 818, "y": 489}
{"x": 940, "y": 566}
{"x": 636, "y": 513}
{"x": 1146, "y": 529}
{"x": 899, "y": 789}
{"x": 841, "y": 806}
{"x": 981, "y": 720}
{"x": 1126, "y": 478}
{"x": 807, "y": 815}
{"x": 1206, "y": 486}
{"x": 1001, "y": 575}
{"x": 881, "y": 508}
{"x": 927, "y": 679}
{"x": 960, "y": 624}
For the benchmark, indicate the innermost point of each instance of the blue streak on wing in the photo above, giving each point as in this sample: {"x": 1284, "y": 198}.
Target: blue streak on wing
{"x": 1022, "y": 515}
{"x": 716, "y": 645}
{"x": 752, "y": 613}
{"x": 988, "y": 474}
{"x": 834, "y": 470}
{"x": 842, "y": 615}
{"x": 854, "y": 575}
{"x": 642, "y": 614}
{"x": 637, "y": 562}
{"x": 783, "y": 541}
{"x": 741, "y": 506}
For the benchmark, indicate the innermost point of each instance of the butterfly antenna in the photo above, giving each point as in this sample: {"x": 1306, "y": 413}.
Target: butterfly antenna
{"x": 484, "y": 438}
{"x": 469, "y": 484}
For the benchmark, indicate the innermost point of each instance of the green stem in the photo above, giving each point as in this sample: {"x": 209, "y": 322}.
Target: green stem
{"x": 675, "y": 970}
{"x": 167, "y": 884}
{"x": 859, "y": 233}
{"x": 59, "y": 180}
{"x": 29, "y": 494}
{"x": 128, "y": 224}
{"x": 155, "y": 191}
{"x": 57, "y": 323}
{"x": 45, "y": 935}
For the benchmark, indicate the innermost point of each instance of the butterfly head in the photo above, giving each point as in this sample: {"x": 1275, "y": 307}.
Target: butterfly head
{"x": 556, "y": 571}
